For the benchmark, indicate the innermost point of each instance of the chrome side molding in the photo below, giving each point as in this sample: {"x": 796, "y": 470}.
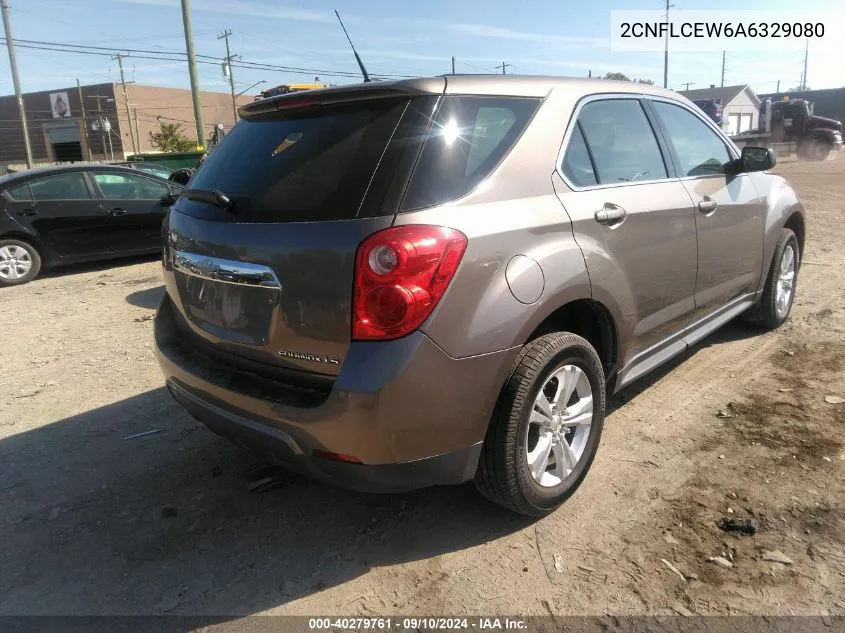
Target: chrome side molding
{"x": 225, "y": 270}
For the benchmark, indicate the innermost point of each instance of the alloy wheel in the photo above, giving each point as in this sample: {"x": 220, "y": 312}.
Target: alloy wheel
{"x": 559, "y": 426}
{"x": 786, "y": 281}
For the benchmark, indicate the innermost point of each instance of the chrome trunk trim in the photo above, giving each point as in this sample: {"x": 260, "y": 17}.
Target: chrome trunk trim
{"x": 225, "y": 270}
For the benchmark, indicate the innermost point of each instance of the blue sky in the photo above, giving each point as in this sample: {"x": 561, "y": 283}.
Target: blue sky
{"x": 393, "y": 37}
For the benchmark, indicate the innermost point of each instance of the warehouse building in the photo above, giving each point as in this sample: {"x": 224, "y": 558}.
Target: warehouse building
{"x": 96, "y": 122}
{"x": 740, "y": 106}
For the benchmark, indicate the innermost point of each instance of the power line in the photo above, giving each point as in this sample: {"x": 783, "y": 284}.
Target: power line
{"x": 487, "y": 68}
{"x": 246, "y": 65}
{"x": 166, "y": 55}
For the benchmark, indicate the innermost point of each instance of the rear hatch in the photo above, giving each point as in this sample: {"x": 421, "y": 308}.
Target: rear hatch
{"x": 260, "y": 249}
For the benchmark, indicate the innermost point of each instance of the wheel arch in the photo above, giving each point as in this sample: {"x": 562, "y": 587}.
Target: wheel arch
{"x": 22, "y": 236}
{"x": 796, "y": 223}
{"x": 591, "y": 320}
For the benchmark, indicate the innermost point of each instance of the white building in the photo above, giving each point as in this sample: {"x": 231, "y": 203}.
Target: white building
{"x": 740, "y": 106}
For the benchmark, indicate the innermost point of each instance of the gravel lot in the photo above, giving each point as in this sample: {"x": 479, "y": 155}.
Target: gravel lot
{"x": 93, "y": 522}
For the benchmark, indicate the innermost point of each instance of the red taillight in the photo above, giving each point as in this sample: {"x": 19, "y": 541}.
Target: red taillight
{"x": 400, "y": 275}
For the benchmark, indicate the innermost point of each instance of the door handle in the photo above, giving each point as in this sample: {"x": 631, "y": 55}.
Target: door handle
{"x": 118, "y": 211}
{"x": 707, "y": 205}
{"x": 29, "y": 212}
{"x": 611, "y": 214}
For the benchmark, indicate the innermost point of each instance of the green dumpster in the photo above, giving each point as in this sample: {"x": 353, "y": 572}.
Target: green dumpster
{"x": 172, "y": 160}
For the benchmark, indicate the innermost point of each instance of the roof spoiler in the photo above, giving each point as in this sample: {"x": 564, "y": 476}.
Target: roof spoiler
{"x": 342, "y": 94}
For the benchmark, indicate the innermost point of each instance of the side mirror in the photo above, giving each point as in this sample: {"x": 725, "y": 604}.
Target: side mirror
{"x": 168, "y": 199}
{"x": 757, "y": 158}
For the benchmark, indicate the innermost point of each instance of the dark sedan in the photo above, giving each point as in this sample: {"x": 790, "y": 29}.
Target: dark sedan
{"x": 55, "y": 216}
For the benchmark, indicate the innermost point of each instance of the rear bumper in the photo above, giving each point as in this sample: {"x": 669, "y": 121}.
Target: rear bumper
{"x": 410, "y": 413}
{"x": 278, "y": 447}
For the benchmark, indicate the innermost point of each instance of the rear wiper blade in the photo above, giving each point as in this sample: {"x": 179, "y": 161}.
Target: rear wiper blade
{"x": 210, "y": 196}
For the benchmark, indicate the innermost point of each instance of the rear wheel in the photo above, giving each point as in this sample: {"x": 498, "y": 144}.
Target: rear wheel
{"x": 818, "y": 150}
{"x": 779, "y": 292}
{"x": 19, "y": 262}
{"x": 546, "y": 427}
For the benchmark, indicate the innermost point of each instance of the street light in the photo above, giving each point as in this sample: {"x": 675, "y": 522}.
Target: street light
{"x": 250, "y": 88}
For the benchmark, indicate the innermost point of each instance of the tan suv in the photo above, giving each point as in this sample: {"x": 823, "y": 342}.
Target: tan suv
{"x": 402, "y": 284}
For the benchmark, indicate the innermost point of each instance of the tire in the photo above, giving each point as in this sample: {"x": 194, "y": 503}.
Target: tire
{"x": 768, "y": 313}
{"x": 819, "y": 150}
{"x": 18, "y": 252}
{"x": 503, "y": 474}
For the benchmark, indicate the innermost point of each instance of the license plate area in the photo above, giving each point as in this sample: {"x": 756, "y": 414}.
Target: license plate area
{"x": 231, "y": 301}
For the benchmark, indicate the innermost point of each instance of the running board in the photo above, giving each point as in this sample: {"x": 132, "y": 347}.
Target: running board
{"x": 656, "y": 356}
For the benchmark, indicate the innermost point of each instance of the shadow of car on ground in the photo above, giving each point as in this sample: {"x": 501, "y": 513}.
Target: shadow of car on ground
{"x": 101, "y": 520}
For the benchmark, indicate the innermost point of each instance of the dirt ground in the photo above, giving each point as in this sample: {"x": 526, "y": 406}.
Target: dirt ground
{"x": 93, "y": 521}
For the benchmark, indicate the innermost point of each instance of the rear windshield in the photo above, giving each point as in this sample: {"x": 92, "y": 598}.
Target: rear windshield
{"x": 318, "y": 164}
{"x": 468, "y": 138}
{"x": 315, "y": 166}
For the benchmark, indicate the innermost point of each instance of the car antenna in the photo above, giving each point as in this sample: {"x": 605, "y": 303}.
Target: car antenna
{"x": 357, "y": 57}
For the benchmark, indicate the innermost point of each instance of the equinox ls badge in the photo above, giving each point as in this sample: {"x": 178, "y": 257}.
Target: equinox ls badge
{"x": 314, "y": 358}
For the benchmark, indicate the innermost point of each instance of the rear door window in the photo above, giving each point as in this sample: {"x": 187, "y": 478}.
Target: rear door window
{"x": 468, "y": 138}
{"x": 155, "y": 170}
{"x": 300, "y": 165}
{"x": 129, "y": 186}
{"x": 20, "y": 193}
{"x": 621, "y": 141}
{"x": 60, "y": 187}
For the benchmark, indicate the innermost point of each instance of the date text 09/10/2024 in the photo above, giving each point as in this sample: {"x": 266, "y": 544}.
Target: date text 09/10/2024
{"x": 431, "y": 624}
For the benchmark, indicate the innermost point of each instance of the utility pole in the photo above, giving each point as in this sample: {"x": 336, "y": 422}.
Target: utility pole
{"x": 192, "y": 70}
{"x": 688, "y": 84}
{"x": 806, "y": 55}
{"x": 84, "y": 121}
{"x": 723, "y": 69}
{"x": 453, "y": 64}
{"x": 137, "y": 127}
{"x": 229, "y": 57}
{"x": 777, "y": 90}
{"x": 666, "y": 50}
{"x": 13, "y": 62}
{"x": 119, "y": 59}
{"x": 503, "y": 66}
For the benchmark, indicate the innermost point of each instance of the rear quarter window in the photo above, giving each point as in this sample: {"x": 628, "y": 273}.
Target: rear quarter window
{"x": 21, "y": 192}
{"x": 468, "y": 138}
